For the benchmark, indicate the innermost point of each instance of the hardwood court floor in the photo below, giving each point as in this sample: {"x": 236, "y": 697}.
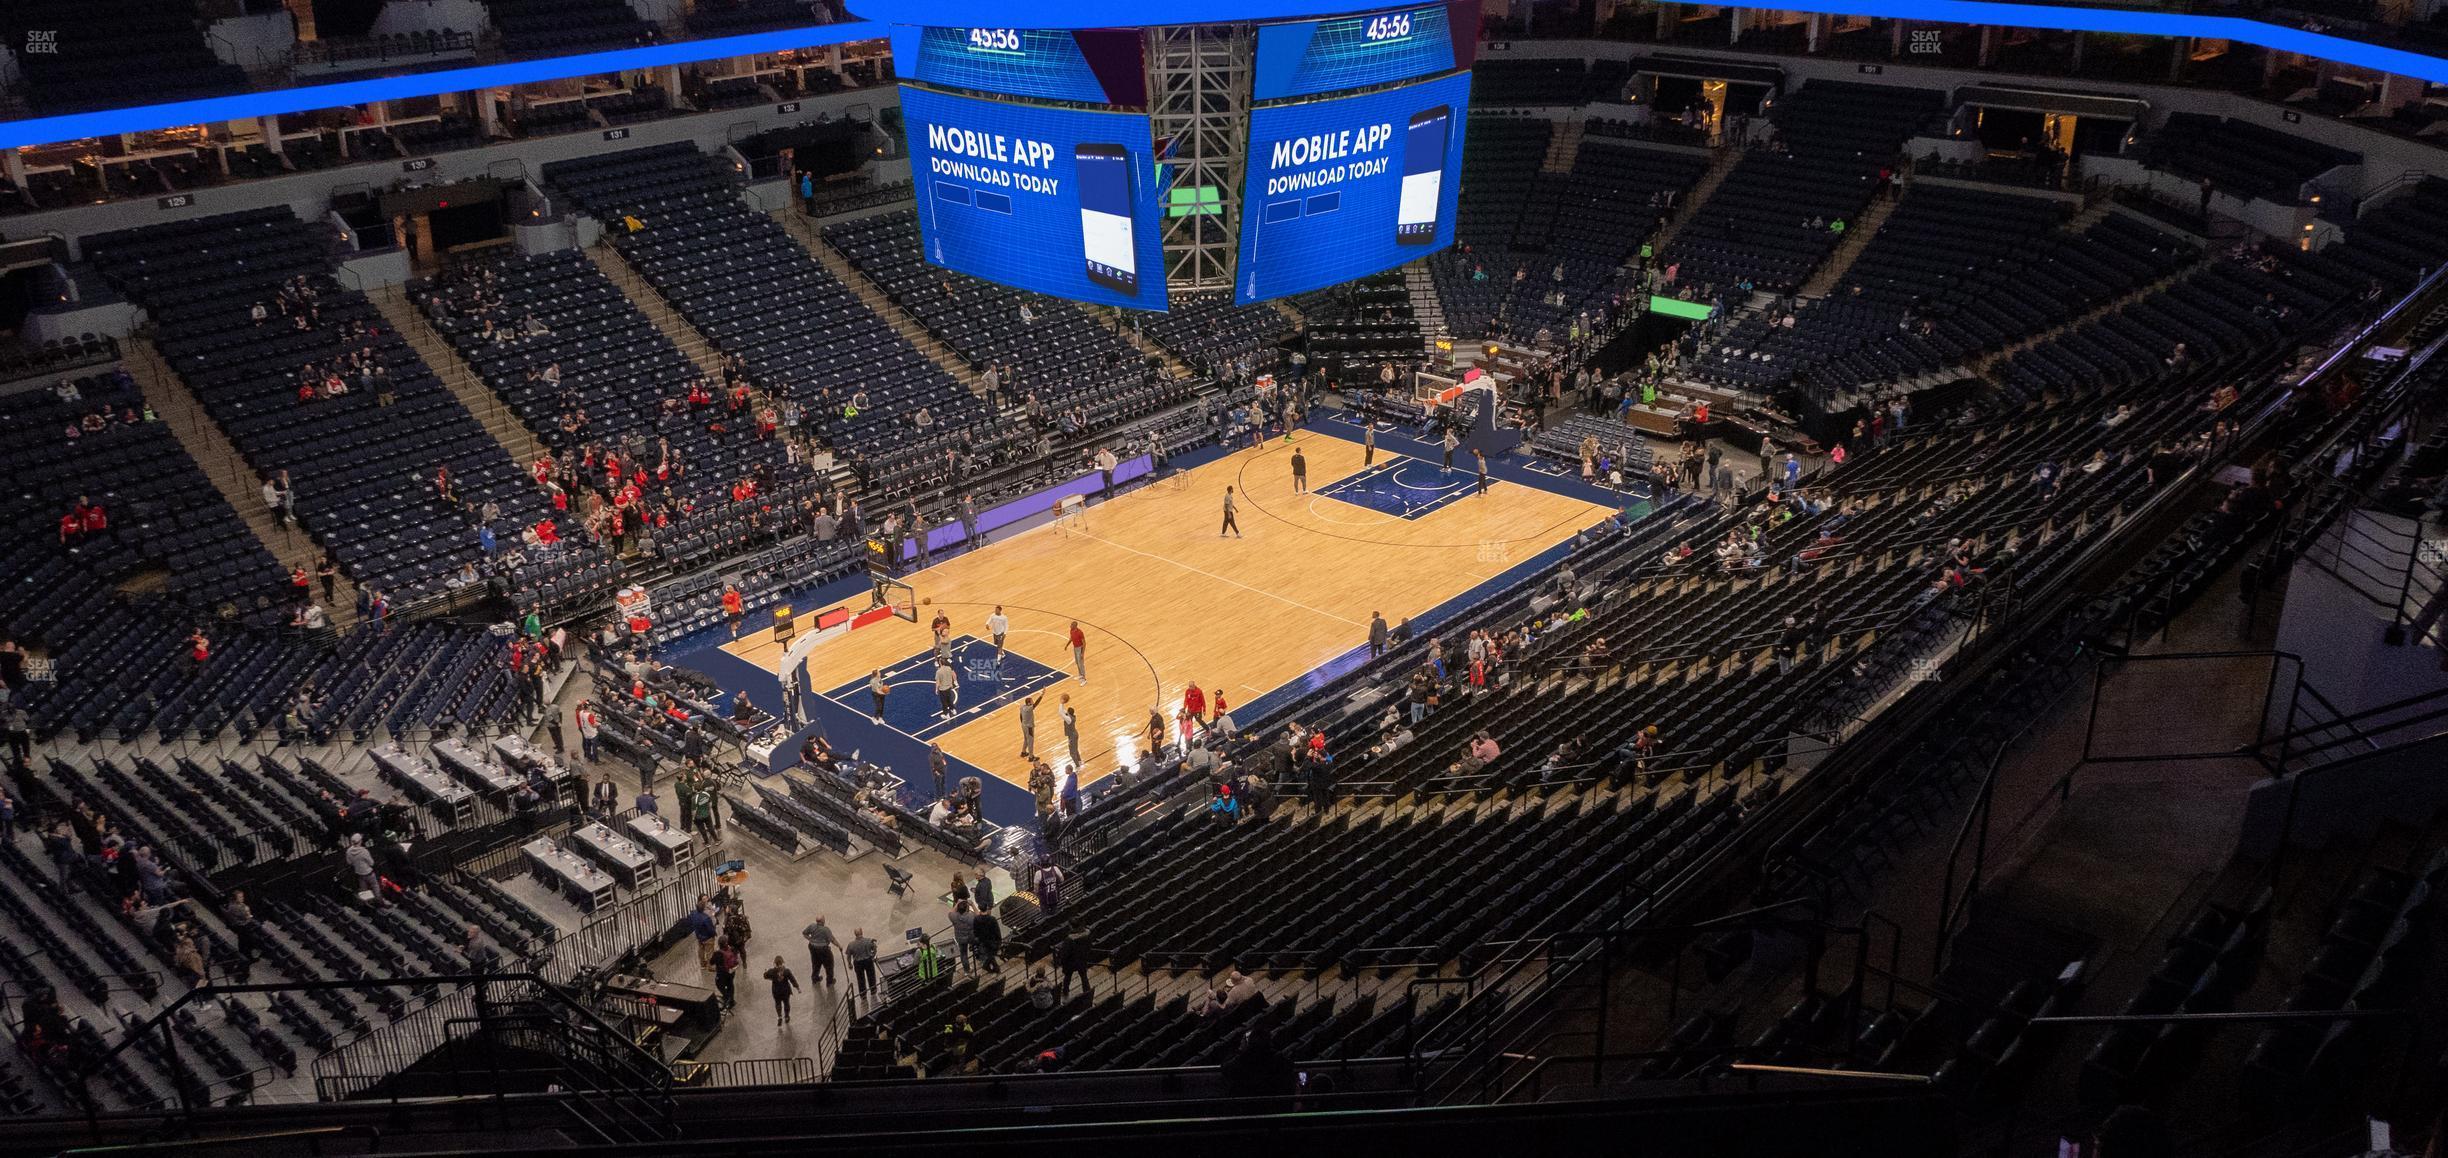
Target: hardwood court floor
{"x": 1164, "y": 602}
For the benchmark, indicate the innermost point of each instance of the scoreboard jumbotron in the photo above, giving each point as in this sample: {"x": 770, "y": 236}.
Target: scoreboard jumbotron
{"x": 1318, "y": 150}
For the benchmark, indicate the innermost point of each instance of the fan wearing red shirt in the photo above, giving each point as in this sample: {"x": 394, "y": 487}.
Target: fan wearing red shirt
{"x": 71, "y": 525}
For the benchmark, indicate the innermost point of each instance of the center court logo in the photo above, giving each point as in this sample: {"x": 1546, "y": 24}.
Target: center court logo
{"x": 980, "y": 663}
{"x": 42, "y": 42}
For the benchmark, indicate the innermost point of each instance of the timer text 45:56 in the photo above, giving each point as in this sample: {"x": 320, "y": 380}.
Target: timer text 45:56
{"x": 1392, "y": 27}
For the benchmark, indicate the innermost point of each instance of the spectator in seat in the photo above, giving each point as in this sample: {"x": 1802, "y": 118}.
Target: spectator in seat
{"x": 1258, "y": 1069}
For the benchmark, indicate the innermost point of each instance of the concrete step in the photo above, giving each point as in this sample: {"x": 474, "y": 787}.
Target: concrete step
{"x": 1856, "y": 239}
{"x": 676, "y": 329}
{"x": 1563, "y": 148}
{"x": 1983, "y": 364}
{"x": 1106, "y": 316}
{"x": 1427, "y": 308}
{"x": 458, "y": 377}
{"x": 1720, "y": 163}
{"x": 875, "y": 299}
{"x": 220, "y": 461}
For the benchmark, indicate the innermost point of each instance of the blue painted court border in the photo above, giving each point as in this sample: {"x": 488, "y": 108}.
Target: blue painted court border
{"x": 1384, "y": 488}
{"x": 1261, "y": 709}
{"x": 1513, "y": 467}
{"x": 850, "y": 727}
{"x": 986, "y": 685}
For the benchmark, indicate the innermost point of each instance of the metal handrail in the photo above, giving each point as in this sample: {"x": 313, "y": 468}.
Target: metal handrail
{"x": 757, "y": 1071}
{"x": 2357, "y": 717}
{"x": 479, "y": 981}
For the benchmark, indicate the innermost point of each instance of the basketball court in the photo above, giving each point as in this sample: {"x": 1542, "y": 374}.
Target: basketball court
{"x": 1164, "y": 602}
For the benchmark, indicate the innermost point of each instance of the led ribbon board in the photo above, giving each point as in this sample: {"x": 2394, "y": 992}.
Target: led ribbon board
{"x": 1345, "y": 187}
{"x": 240, "y": 106}
{"x": 1059, "y": 201}
{"x": 1093, "y": 66}
{"x": 1348, "y": 52}
{"x": 2071, "y": 18}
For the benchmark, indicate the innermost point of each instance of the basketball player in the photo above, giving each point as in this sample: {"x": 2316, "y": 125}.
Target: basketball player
{"x": 1229, "y": 524}
{"x": 1070, "y": 726}
{"x": 877, "y": 687}
{"x": 1028, "y": 726}
{"x": 947, "y": 686}
{"x": 1079, "y": 651}
{"x": 1300, "y": 472}
{"x": 998, "y": 625}
{"x": 1480, "y": 461}
{"x": 1368, "y": 444}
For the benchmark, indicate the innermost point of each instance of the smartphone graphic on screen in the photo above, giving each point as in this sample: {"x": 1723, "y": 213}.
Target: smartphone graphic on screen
{"x": 1104, "y": 176}
{"x": 1415, "y": 222}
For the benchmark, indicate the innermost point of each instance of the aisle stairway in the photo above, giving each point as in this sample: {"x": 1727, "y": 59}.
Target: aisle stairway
{"x": 674, "y": 327}
{"x": 458, "y": 376}
{"x": 2100, "y": 310}
{"x": 1426, "y": 307}
{"x": 169, "y": 397}
{"x": 1856, "y": 239}
{"x": 1130, "y": 334}
{"x": 1563, "y": 148}
{"x": 874, "y": 298}
{"x": 1721, "y": 162}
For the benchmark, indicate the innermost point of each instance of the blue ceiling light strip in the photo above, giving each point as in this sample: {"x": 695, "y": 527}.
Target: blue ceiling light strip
{"x": 1129, "y": 14}
{"x": 1075, "y": 14}
{"x": 2071, "y": 19}
{"x": 1139, "y": 13}
{"x": 140, "y": 118}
